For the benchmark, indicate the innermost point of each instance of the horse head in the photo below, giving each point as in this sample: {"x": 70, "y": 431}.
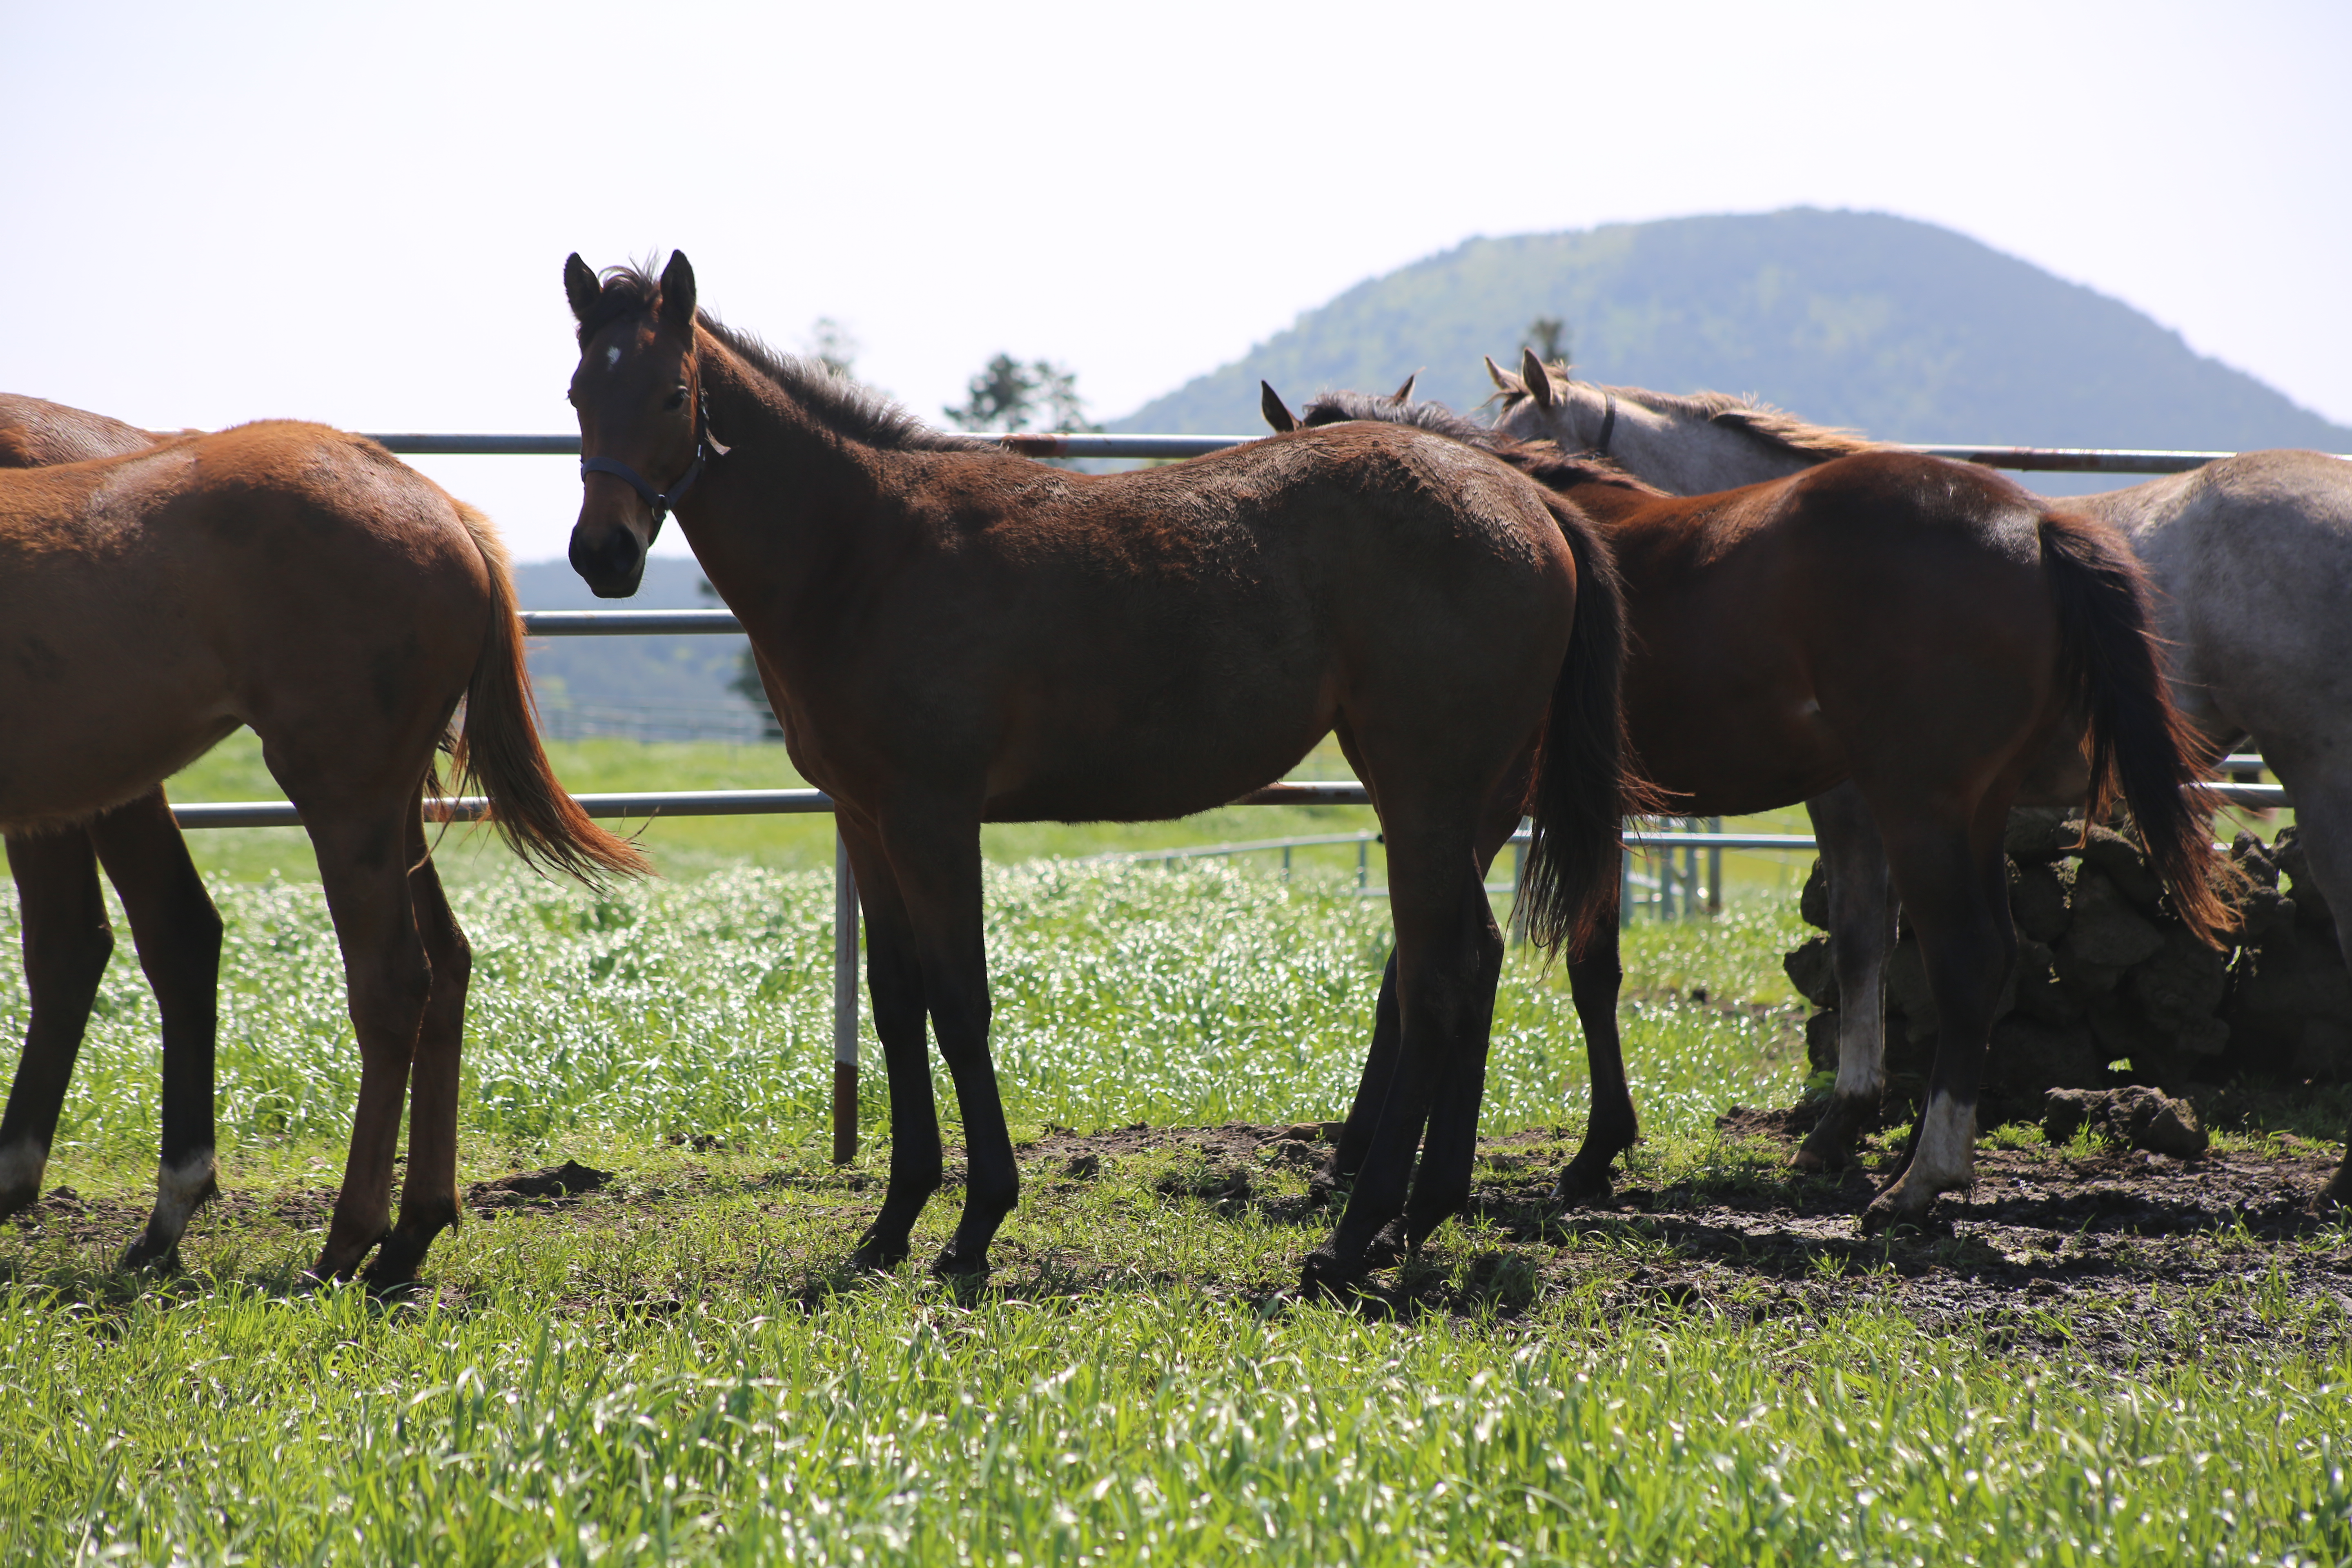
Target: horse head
{"x": 1545, "y": 404}
{"x": 641, "y": 432}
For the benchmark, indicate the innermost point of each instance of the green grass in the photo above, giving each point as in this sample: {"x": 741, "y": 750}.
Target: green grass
{"x": 680, "y": 1370}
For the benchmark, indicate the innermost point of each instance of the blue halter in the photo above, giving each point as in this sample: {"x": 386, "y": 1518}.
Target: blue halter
{"x": 662, "y": 501}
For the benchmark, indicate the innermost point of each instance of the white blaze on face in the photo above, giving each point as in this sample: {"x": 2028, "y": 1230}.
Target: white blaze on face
{"x": 21, "y": 1164}
{"x": 612, "y": 356}
{"x": 178, "y": 1190}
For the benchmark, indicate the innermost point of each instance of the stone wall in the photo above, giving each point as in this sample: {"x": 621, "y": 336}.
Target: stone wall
{"x": 2106, "y": 973}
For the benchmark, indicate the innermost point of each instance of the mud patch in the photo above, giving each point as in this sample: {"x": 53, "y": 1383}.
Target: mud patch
{"x": 537, "y": 1188}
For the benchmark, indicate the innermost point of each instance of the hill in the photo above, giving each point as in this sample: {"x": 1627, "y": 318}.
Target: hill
{"x": 1903, "y": 329}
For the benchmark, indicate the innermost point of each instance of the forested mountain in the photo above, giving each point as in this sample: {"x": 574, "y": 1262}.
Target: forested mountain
{"x": 1900, "y": 329}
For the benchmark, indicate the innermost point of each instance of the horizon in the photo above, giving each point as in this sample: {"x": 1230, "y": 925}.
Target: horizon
{"x": 288, "y": 212}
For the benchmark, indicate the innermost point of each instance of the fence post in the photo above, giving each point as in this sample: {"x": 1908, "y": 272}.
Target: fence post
{"x": 1715, "y": 870}
{"x": 844, "y": 1005}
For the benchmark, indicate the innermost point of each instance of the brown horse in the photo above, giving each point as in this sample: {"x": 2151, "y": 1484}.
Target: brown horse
{"x": 1922, "y": 629}
{"x": 951, "y": 635}
{"x": 155, "y": 594}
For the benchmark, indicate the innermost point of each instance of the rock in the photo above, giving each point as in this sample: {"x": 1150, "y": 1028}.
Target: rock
{"x": 2136, "y": 1115}
{"x": 2040, "y": 995}
{"x": 2183, "y": 984}
{"x": 1814, "y": 903}
{"x": 2253, "y": 858}
{"x": 2028, "y": 1055}
{"x": 1810, "y": 970}
{"x": 2125, "y": 863}
{"x": 2262, "y": 913}
{"x": 2107, "y": 930}
{"x": 2038, "y": 833}
{"x": 1822, "y": 1042}
{"x": 2296, "y": 974}
{"x": 2323, "y": 1049}
{"x": 2037, "y": 900}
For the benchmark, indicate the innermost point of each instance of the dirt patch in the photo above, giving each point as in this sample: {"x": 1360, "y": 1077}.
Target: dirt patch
{"x": 537, "y": 1188}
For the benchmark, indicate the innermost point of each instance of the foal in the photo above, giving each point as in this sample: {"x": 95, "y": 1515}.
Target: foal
{"x": 951, "y": 635}
{"x": 1923, "y": 628}
{"x": 162, "y": 591}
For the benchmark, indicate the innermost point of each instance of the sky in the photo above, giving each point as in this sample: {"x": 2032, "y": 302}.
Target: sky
{"x": 360, "y": 214}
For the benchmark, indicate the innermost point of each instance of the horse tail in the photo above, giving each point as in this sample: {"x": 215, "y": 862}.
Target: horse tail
{"x": 499, "y": 751}
{"x": 2141, "y": 746}
{"x": 1586, "y": 776}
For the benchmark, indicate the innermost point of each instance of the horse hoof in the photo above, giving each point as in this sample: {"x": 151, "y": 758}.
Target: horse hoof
{"x": 396, "y": 1267}
{"x": 1579, "y": 1187}
{"x": 1325, "y": 1278}
{"x": 17, "y": 1200}
{"x": 876, "y": 1256}
{"x": 1888, "y": 1212}
{"x": 956, "y": 1263}
{"x": 163, "y": 1256}
{"x": 2331, "y": 1201}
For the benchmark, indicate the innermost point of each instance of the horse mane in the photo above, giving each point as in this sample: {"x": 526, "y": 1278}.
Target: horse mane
{"x": 1759, "y": 421}
{"x": 1542, "y": 461}
{"x": 852, "y": 411}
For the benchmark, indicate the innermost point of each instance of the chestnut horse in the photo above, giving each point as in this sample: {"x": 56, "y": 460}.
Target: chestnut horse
{"x": 2250, "y": 556}
{"x": 156, "y": 593}
{"x": 952, "y": 635}
{"x": 1920, "y": 627}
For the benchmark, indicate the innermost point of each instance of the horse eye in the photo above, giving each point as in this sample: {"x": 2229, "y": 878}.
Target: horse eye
{"x": 676, "y": 399}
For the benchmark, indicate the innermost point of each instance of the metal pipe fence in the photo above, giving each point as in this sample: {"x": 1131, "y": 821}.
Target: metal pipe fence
{"x": 716, "y": 803}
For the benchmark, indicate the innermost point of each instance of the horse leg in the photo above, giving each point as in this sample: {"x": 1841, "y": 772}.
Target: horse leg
{"x": 1503, "y": 815}
{"x": 893, "y": 980}
{"x": 428, "y": 1199}
{"x": 1956, "y": 886}
{"x": 68, "y": 942}
{"x": 1596, "y": 973}
{"x": 178, "y": 935}
{"x": 934, "y": 854}
{"x": 2323, "y": 821}
{"x": 1862, "y": 934}
{"x": 362, "y": 864}
{"x": 1447, "y": 953}
{"x": 1371, "y": 1091}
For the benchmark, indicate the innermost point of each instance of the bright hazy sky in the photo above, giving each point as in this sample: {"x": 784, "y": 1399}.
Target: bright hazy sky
{"x": 359, "y": 214}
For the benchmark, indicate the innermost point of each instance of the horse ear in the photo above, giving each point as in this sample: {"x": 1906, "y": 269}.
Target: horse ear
{"x": 1503, "y": 379}
{"x": 579, "y": 287}
{"x": 1270, "y": 403}
{"x": 1538, "y": 380}
{"x": 678, "y": 293}
{"x": 1404, "y": 393}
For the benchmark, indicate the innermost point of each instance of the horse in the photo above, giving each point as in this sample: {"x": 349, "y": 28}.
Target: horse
{"x": 2251, "y": 556}
{"x": 159, "y": 591}
{"x": 1919, "y": 627}
{"x": 951, "y": 635}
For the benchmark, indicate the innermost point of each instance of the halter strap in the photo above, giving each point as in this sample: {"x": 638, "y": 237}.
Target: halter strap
{"x": 1608, "y": 425}
{"x": 662, "y": 501}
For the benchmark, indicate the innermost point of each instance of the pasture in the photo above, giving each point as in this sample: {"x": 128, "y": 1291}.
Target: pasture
{"x": 2100, "y": 1360}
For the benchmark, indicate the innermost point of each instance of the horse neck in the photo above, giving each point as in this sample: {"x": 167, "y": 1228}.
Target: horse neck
{"x": 782, "y": 512}
{"x": 1690, "y": 454}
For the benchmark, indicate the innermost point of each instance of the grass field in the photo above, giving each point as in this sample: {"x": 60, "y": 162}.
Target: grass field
{"x": 679, "y": 1368}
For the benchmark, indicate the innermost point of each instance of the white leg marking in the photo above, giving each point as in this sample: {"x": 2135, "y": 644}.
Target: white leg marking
{"x": 21, "y": 1166}
{"x": 178, "y": 1190}
{"x": 1947, "y": 1147}
{"x": 1861, "y": 1047}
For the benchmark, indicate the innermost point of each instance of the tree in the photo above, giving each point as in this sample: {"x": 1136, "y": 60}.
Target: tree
{"x": 831, "y": 345}
{"x": 1008, "y": 396}
{"x": 1548, "y": 336}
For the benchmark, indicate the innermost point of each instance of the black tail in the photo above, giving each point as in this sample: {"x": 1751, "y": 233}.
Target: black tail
{"x": 2141, "y": 747}
{"x": 1586, "y": 777}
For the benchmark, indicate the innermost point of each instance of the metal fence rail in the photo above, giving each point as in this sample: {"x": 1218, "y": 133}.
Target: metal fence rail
{"x": 2022, "y": 459}
{"x": 716, "y": 803}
